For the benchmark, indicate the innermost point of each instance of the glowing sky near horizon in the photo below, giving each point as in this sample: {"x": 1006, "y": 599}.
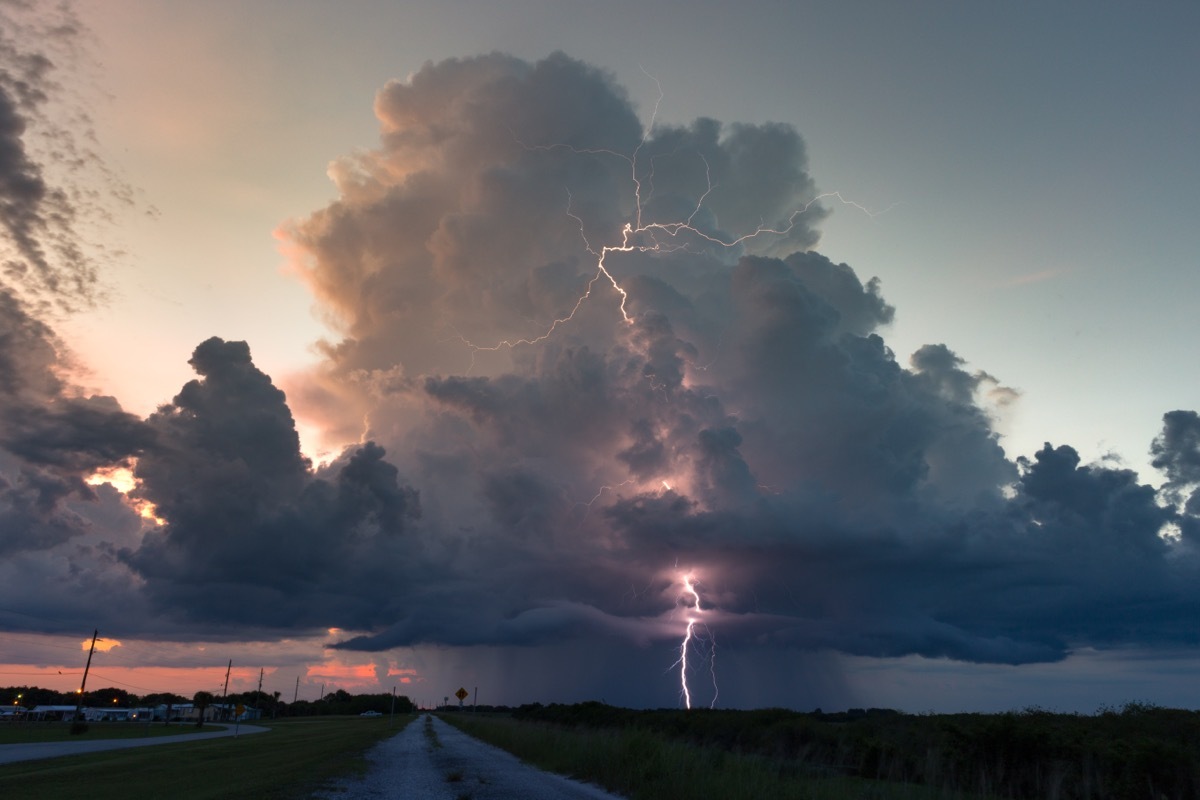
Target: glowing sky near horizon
{"x": 1037, "y": 169}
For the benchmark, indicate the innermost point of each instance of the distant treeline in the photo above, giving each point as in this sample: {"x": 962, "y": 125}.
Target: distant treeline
{"x": 1138, "y": 751}
{"x": 339, "y": 702}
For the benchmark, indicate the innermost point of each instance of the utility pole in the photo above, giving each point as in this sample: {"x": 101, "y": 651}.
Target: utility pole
{"x": 393, "y": 717}
{"x": 296, "y": 693}
{"x": 86, "y": 667}
{"x": 225, "y": 691}
{"x": 475, "y": 702}
{"x": 258, "y": 693}
{"x": 322, "y": 695}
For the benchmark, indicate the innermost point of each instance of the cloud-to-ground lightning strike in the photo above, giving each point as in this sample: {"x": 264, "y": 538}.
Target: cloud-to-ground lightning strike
{"x": 639, "y": 236}
{"x": 692, "y": 598}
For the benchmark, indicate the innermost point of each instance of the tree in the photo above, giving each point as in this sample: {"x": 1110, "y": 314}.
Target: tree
{"x": 168, "y": 699}
{"x": 110, "y": 697}
{"x": 162, "y": 698}
{"x": 202, "y": 700}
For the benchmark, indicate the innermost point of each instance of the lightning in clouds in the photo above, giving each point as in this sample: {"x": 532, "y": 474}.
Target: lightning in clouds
{"x": 703, "y": 386}
{"x": 638, "y": 236}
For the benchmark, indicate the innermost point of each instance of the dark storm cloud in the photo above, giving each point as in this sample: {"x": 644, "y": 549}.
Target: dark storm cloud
{"x": 748, "y": 421}
{"x": 51, "y": 437}
{"x": 55, "y": 529}
{"x": 22, "y": 190}
{"x": 58, "y": 534}
{"x": 46, "y": 421}
{"x": 251, "y": 536}
{"x": 77, "y": 434}
{"x": 51, "y": 181}
{"x": 1074, "y": 557}
{"x": 31, "y": 516}
{"x": 1176, "y": 452}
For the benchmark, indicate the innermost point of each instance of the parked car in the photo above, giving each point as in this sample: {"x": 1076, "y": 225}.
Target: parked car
{"x": 370, "y": 714}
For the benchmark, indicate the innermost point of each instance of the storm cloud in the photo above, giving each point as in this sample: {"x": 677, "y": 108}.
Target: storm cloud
{"x": 56, "y": 529}
{"x": 52, "y": 183}
{"x": 577, "y": 357}
{"x": 250, "y": 537}
{"x": 732, "y": 409}
{"x": 52, "y": 434}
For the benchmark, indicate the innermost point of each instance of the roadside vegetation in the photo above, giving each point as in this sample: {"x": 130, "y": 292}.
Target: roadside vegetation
{"x": 1138, "y": 751}
{"x": 294, "y": 759}
{"x": 642, "y": 765}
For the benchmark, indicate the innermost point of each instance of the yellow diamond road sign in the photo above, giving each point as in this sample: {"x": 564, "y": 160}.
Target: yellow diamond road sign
{"x": 461, "y": 694}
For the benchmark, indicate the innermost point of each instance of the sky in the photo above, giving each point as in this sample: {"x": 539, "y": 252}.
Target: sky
{"x": 510, "y": 345}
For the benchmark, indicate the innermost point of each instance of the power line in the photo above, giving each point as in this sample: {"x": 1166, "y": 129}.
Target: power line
{"x": 130, "y": 685}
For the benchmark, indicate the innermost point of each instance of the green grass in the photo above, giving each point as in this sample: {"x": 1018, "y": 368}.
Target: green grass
{"x": 644, "y": 766}
{"x": 292, "y": 760}
{"x": 26, "y": 732}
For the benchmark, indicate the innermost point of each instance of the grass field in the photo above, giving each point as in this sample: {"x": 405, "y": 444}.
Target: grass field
{"x": 25, "y": 732}
{"x": 643, "y": 766}
{"x": 291, "y": 760}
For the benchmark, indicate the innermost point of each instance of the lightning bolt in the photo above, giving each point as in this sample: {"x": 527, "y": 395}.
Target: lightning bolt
{"x": 690, "y": 636}
{"x": 638, "y": 236}
{"x": 588, "y": 505}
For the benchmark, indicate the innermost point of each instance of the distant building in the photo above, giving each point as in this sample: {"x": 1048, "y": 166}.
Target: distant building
{"x": 180, "y": 712}
{"x": 100, "y": 714}
{"x": 187, "y": 712}
{"x": 64, "y": 713}
{"x": 105, "y": 714}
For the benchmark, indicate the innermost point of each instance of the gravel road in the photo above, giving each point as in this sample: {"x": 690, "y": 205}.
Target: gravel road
{"x": 409, "y": 766}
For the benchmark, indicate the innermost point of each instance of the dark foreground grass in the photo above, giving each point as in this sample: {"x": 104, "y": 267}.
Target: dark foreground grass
{"x": 27, "y": 732}
{"x": 644, "y": 766}
{"x": 291, "y": 760}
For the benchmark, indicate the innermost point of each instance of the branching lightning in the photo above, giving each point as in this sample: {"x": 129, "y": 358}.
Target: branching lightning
{"x": 638, "y": 236}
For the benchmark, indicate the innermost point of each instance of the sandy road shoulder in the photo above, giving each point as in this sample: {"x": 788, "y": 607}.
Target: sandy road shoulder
{"x": 410, "y": 766}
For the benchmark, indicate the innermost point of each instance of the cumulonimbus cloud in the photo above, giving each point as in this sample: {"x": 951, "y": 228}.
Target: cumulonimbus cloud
{"x": 576, "y": 357}
{"x": 732, "y": 406}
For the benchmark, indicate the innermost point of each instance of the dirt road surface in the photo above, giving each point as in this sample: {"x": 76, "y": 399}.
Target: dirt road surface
{"x": 410, "y": 766}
